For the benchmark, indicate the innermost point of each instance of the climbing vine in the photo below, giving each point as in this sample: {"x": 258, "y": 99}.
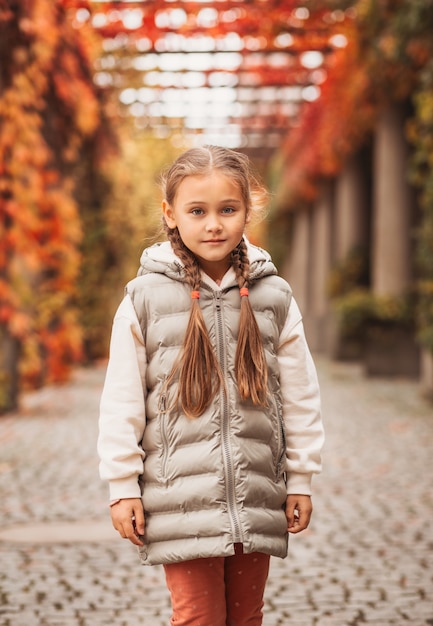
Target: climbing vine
{"x": 49, "y": 107}
{"x": 388, "y": 58}
{"x": 420, "y": 131}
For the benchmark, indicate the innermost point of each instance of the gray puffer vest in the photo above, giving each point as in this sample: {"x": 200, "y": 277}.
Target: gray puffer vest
{"x": 218, "y": 479}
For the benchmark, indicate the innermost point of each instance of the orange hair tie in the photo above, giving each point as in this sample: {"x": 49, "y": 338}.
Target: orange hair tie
{"x": 195, "y": 295}
{"x": 243, "y": 291}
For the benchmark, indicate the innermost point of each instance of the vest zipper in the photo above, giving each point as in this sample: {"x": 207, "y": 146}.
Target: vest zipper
{"x": 281, "y": 448}
{"x": 162, "y": 407}
{"x": 229, "y": 469}
{"x": 280, "y": 440}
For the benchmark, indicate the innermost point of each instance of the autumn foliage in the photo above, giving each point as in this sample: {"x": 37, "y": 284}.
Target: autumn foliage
{"x": 388, "y": 59}
{"x": 71, "y": 221}
{"x": 388, "y": 45}
{"x": 48, "y": 108}
{"x": 332, "y": 126}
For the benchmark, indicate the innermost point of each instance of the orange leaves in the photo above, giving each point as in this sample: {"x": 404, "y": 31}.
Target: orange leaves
{"x": 387, "y": 44}
{"x": 335, "y": 124}
{"x": 48, "y": 104}
{"x": 418, "y": 51}
{"x": 19, "y": 325}
{"x": 74, "y": 90}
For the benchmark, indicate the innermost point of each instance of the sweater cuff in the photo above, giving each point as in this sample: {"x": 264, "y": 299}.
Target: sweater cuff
{"x": 122, "y": 488}
{"x": 299, "y": 484}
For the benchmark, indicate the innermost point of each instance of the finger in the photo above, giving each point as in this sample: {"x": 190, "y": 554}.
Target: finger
{"x": 300, "y": 523}
{"x": 139, "y": 521}
{"x": 304, "y": 518}
{"x": 291, "y": 511}
{"x": 293, "y": 520}
{"x": 290, "y": 516}
{"x": 298, "y": 512}
{"x": 128, "y": 519}
{"x": 130, "y": 533}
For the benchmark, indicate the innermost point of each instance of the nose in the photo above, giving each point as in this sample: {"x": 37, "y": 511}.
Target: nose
{"x": 213, "y": 224}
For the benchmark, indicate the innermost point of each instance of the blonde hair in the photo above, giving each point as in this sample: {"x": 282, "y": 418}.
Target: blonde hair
{"x": 200, "y": 375}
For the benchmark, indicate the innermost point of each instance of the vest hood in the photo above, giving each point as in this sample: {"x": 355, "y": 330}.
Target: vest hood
{"x": 160, "y": 259}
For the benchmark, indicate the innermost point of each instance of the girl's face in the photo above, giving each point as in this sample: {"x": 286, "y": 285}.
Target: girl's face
{"x": 210, "y": 214}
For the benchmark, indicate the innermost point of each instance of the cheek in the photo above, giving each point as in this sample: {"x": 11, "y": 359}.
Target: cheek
{"x": 243, "y": 222}
{"x": 186, "y": 230}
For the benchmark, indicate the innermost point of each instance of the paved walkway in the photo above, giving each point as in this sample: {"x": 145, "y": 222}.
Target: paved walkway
{"x": 367, "y": 559}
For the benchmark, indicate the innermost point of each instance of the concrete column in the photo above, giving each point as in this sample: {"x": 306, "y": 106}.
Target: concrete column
{"x": 351, "y": 232}
{"x": 391, "y": 350}
{"x": 296, "y": 269}
{"x": 9, "y": 370}
{"x": 391, "y": 244}
{"x": 426, "y": 378}
{"x": 321, "y": 253}
{"x": 352, "y": 199}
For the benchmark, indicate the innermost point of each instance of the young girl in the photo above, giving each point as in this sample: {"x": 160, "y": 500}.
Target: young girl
{"x": 210, "y": 425}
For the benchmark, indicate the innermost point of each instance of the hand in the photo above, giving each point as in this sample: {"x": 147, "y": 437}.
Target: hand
{"x": 298, "y": 512}
{"x": 127, "y": 516}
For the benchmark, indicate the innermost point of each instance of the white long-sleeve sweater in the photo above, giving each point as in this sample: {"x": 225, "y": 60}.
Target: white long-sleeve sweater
{"x": 122, "y": 408}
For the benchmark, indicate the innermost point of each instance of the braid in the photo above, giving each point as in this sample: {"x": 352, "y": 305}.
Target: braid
{"x": 241, "y": 264}
{"x": 250, "y": 362}
{"x": 200, "y": 375}
{"x": 192, "y": 268}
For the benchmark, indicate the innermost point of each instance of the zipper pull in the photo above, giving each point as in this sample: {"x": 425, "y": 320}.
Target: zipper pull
{"x": 218, "y": 301}
{"x": 162, "y": 404}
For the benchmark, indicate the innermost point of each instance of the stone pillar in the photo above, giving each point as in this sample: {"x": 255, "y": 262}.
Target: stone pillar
{"x": 351, "y": 232}
{"x": 391, "y": 237}
{"x": 427, "y": 373}
{"x": 296, "y": 269}
{"x": 321, "y": 260}
{"x": 9, "y": 370}
{"x": 352, "y": 200}
{"x": 391, "y": 349}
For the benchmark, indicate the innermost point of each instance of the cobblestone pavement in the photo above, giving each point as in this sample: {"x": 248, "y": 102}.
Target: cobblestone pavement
{"x": 367, "y": 558}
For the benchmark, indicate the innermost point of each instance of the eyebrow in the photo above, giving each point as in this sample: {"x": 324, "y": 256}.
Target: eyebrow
{"x": 226, "y": 201}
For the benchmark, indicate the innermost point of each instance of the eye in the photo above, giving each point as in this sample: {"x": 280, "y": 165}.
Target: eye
{"x": 197, "y": 211}
{"x": 228, "y": 210}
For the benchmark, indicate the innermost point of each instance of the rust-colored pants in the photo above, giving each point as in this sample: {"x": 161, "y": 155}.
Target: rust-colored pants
{"x": 218, "y": 591}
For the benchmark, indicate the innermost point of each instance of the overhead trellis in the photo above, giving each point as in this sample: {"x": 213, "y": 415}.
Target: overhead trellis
{"x": 230, "y": 72}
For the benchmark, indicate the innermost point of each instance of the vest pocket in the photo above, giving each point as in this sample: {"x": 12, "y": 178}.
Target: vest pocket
{"x": 280, "y": 454}
{"x": 163, "y": 428}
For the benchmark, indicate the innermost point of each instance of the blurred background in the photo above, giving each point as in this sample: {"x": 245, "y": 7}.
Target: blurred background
{"x": 333, "y": 102}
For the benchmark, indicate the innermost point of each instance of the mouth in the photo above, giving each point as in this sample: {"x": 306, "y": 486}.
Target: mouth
{"x": 214, "y": 241}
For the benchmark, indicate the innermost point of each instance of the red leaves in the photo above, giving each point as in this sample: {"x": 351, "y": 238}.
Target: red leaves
{"x": 48, "y": 105}
{"x": 335, "y": 124}
{"x": 386, "y": 48}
